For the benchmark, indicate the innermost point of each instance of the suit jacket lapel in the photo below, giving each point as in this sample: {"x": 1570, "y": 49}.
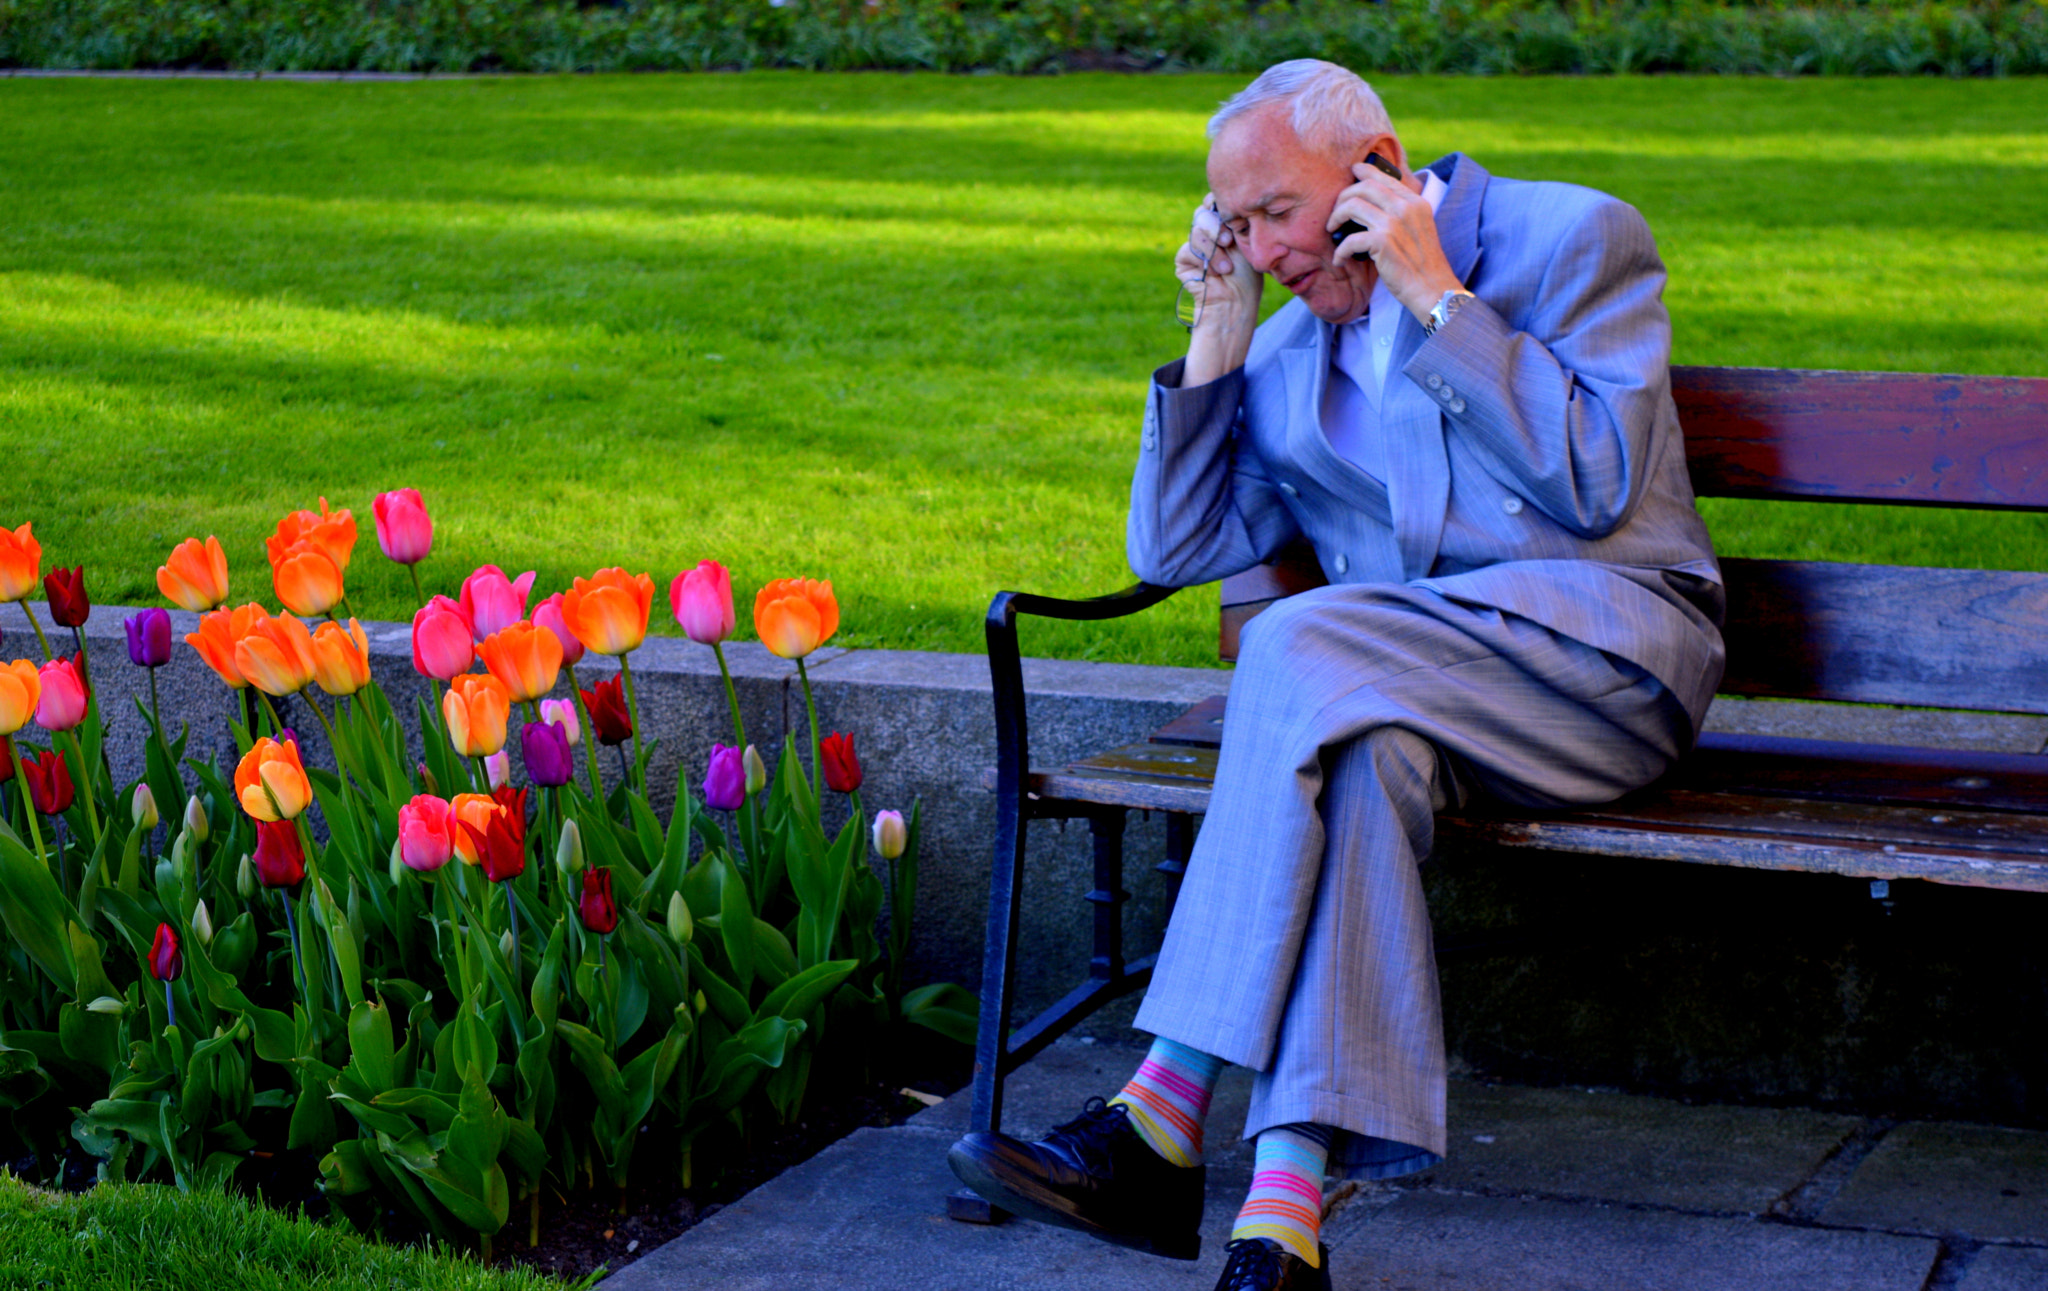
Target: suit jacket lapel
{"x": 1308, "y": 374}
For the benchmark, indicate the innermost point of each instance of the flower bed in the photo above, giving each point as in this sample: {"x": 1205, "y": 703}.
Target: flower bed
{"x": 456, "y": 991}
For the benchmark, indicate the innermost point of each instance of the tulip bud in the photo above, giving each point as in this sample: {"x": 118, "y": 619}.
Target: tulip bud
{"x": 245, "y": 878}
{"x": 397, "y": 862}
{"x": 699, "y": 1004}
{"x": 143, "y": 806}
{"x": 757, "y": 770}
{"x": 498, "y": 766}
{"x": 196, "y": 823}
{"x": 680, "y": 926}
{"x": 427, "y": 779}
{"x": 890, "y": 835}
{"x": 107, "y": 1004}
{"x": 506, "y": 945}
{"x": 569, "y": 852}
{"x": 202, "y": 923}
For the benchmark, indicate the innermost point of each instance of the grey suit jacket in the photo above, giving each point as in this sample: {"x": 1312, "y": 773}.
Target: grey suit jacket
{"x": 1535, "y": 462}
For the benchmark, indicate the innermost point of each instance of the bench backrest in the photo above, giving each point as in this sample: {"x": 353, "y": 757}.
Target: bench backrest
{"x": 1880, "y": 634}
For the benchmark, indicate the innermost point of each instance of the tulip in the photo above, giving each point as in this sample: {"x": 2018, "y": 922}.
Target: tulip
{"x": 219, "y": 632}
{"x": 492, "y": 602}
{"x": 270, "y": 782}
{"x": 49, "y": 783}
{"x": 194, "y": 577}
{"x": 702, "y": 601}
{"x": 569, "y": 851}
{"x": 333, "y": 532}
{"x": 757, "y": 771}
{"x": 595, "y": 907}
{"x": 166, "y": 964}
{"x": 548, "y": 614}
{"x": 680, "y": 925}
{"x": 441, "y": 644}
{"x": 280, "y": 858}
{"x": 246, "y": 878}
{"x": 426, "y": 833}
{"x": 276, "y": 654}
{"x": 609, "y": 720}
{"x": 21, "y": 563}
{"x": 404, "y": 529}
{"x": 69, "y": 605}
{"x": 545, "y": 748}
{"x": 562, "y": 713}
{"x": 890, "y": 835}
{"x": 475, "y": 708}
{"x": 499, "y": 851}
{"x": 202, "y": 923}
{"x": 498, "y": 770}
{"x": 142, "y": 806}
{"x": 306, "y": 579}
{"x": 794, "y": 616}
{"x": 608, "y": 610}
{"x": 725, "y": 779}
{"x": 63, "y": 702}
{"x": 469, "y": 816}
{"x": 526, "y": 658}
{"x": 149, "y": 637}
{"x": 513, "y": 803}
{"x": 341, "y": 658}
{"x": 21, "y": 689}
{"x": 842, "y": 768}
{"x": 6, "y": 759}
{"x": 196, "y": 823}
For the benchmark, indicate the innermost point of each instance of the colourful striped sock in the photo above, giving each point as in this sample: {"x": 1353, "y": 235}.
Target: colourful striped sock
{"x": 1285, "y": 1204}
{"x": 1169, "y": 1098}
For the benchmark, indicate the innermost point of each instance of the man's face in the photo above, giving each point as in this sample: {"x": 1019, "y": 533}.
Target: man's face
{"x": 1276, "y": 194}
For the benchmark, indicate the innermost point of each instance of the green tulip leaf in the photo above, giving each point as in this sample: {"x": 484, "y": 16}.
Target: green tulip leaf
{"x": 35, "y": 912}
{"x": 946, "y": 1008}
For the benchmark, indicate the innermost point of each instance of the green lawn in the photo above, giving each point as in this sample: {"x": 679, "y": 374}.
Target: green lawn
{"x": 889, "y": 330}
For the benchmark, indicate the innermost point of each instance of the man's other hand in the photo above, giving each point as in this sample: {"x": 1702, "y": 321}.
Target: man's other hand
{"x": 1222, "y": 279}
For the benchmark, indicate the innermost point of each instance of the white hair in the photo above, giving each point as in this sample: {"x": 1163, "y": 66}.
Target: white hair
{"x": 1333, "y": 109}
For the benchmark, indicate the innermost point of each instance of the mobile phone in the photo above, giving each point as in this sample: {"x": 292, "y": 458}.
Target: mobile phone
{"x": 1349, "y": 227}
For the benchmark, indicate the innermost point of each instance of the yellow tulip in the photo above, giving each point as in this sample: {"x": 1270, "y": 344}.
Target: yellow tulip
{"x": 270, "y": 783}
{"x": 341, "y": 658}
{"x": 307, "y": 580}
{"x": 476, "y": 707}
{"x": 21, "y": 688}
{"x": 276, "y": 655}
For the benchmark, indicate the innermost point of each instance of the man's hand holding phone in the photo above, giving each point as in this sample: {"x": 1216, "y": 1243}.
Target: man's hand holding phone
{"x": 1220, "y": 301}
{"x": 1382, "y": 219}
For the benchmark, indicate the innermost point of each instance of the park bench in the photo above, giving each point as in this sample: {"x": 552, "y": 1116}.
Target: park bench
{"x": 1959, "y": 639}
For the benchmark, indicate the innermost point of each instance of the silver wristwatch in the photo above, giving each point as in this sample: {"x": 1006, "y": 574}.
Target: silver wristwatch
{"x": 1447, "y": 304}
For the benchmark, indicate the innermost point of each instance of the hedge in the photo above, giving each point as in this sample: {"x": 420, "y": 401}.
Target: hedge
{"x": 1024, "y": 36}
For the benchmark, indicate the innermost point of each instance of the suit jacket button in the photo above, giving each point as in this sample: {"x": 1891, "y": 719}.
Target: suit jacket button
{"x": 1290, "y": 490}
{"x": 1447, "y": 394}
{"x": 1343, "y": 563}
{"x": 1457, "y": 405}
{"x": 1433, "y": 381}
{"x": 1511, "y": 505}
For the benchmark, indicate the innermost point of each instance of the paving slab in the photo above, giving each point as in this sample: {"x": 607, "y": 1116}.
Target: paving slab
{"x": 1438, "y": 1241}
{"x": 1573, "y": 1142}
{"x": 2007, "y": 1268}
{"x": 1942, "y": 1177}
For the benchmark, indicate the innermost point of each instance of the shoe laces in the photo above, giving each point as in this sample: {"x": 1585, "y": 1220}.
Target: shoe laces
{"x": 1250, "y": 1264}
{"x": 1087, "y": 1136}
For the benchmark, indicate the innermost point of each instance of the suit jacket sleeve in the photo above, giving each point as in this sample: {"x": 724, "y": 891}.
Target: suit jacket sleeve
{"x": 1202, "y": 507}
{"x": 1563, "y": 402}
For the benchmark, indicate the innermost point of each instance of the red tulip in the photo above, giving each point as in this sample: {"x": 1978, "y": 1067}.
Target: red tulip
{"x": 610, "y": 721}
{"x": 441, "y": 644}
{"x": 49, "y": 783}
{"x": 842, "y": 768}
{"x": 404, "y": 529}
{"x": 598, "y": 911}
{"x": 280, "y": 860}
{"x": 513, "y": 803}
{"x": 498, "y": 849}
{"x": 166, "y": 964}
{"x": 6, "y": 759}
{"x": 69, "y": 604}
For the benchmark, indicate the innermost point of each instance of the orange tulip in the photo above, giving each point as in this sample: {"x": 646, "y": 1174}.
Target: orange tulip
{"x": 476, "y": 810}
{"x": 276, "y": 655}
{"x": 195, "y": 577}
{"x": 307, "y": 580}
{"x": 608, "y": 610}
{"x": 526, "y": 658}
{"x": 476, "y": 707}
{"x": 794, "y": 616}
{"x": 270, "y": 783}
{"x": 215, "y": 640}
{"x": 21, "y": 563}
{"x": 333, "y": 532}
{"x": 21, "y": 688}
{"x": 341, "y": 658}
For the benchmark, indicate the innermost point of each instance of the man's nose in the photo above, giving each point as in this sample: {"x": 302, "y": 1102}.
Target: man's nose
{"x": 1263, "y": 250}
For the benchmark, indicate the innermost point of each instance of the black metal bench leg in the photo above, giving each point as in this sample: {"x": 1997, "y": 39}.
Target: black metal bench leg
{"x": 1106, "y": 831}
{"x": 998, "y": 995}
{"x": 1180, "y": 844}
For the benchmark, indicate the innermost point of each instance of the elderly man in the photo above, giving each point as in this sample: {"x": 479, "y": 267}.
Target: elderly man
{"x": 1466, "y": 410}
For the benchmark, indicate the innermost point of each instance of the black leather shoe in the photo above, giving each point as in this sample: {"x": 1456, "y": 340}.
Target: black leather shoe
{"x": 1094, "y": 1174}
{"x": 1261, "y": 1264}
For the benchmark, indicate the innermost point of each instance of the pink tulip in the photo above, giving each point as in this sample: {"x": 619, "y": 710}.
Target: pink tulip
{"x": 548, "y": 614}
{"x": 492, "y": 602}
{"x": 702, "y": 601}
{"x": 562, "y": 713}
{"x": 426, "y": 837}
{"x": 404, "y": 529}
{"x": 441, "y": 645}
{"x": 62, "y": 704}
{"x": 498, "y": 768}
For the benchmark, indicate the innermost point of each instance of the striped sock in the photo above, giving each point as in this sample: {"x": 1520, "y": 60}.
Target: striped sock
{"x": 1169, "y": 1098}
{"x": 1285, "y": 1204}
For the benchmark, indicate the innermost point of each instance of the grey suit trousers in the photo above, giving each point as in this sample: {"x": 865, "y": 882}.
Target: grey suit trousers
{"x": 1300, "y": 946}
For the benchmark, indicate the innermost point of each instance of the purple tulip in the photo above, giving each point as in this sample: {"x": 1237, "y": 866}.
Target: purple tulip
{"x": 725, "y": 780}
{"x": 149, "y": 637}
{"x": 545, "y": 746}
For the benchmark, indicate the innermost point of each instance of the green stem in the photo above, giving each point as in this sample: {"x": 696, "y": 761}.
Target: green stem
{"x": 156, "y": 712}
{"x": 817, "y": 763}
{"x": 732, "y": 698}
{"x": 92, "y": 811}
{"x": 633, "y": 711}
{"x": 276, "y": 722}
{"x": 34, "y": 623}
{"x": 298, "y": 965}
{"x": 35, "y": 827}
{"x": 417, "y": 590}
{"x": 588, "y": 736}
{"x": 84, "y": 664}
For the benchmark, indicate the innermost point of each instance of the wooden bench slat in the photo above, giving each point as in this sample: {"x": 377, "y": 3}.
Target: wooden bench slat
{"x": 1787, "y": 767}
{"x": 1838, "y": 823}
